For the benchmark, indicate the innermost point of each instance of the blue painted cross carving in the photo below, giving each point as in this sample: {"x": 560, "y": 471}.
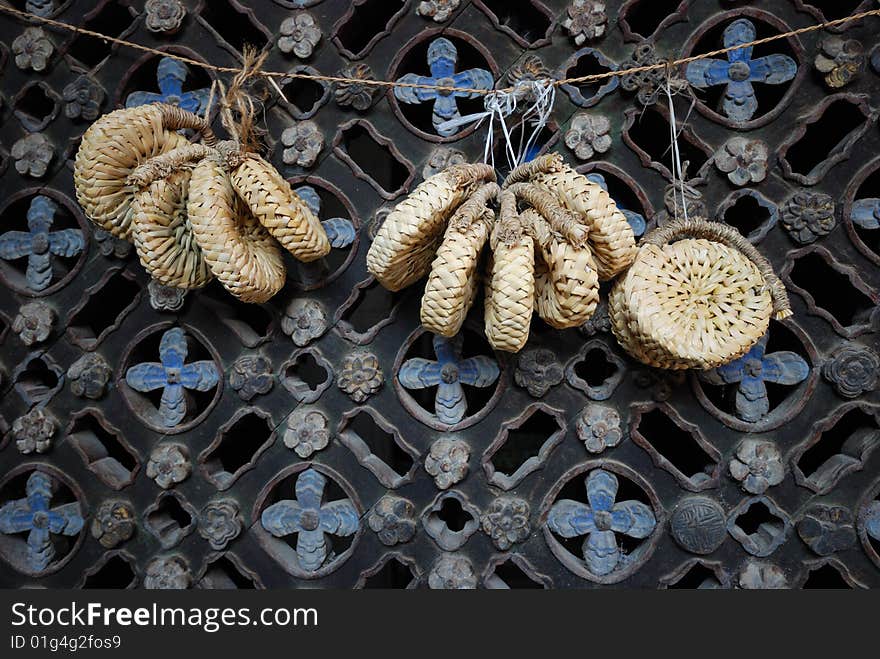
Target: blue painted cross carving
{"x": 34, "y": 516}
{"x": 739, "y": 71}
{"x": 448, "y": 373}
{"x": 39, "y": 244}
{"x": 170, "y": 76}
{"x": 600, "y": 521}
{"x": 866, "y": 213}
{"x": 442, "y": 58}
{"x": 173, "y": 375}
{"x": 311, "y": 519}
{"x": 750, "y": 373}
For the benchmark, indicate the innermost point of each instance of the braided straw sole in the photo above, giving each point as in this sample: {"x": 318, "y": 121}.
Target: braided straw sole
{"x": 237, "y": 248}
{"x": 611, "y": 237}
{"x": 278, "y": 208}
{"x": 510, "y": 293}
{"x": 694, "y": 303}
{"x": 110, "y": 150}
{"x": 452, "y": 283}
{"x": 566, "y": 282}
{"x": 162, "y": 235}
{"x": 405, "y": 244}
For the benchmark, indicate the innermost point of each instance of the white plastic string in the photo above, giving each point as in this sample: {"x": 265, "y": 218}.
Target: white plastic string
{"x": 539, "y": 113}
{"x": 499, "y": 103}
{"x": 677, "y": 172}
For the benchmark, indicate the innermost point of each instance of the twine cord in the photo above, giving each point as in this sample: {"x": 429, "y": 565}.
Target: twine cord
{"x": 439, "y": 88}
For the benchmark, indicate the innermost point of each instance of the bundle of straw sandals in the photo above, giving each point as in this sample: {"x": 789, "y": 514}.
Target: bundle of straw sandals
{"x": 694, "y": 294}
{"x": 194, "y": 210}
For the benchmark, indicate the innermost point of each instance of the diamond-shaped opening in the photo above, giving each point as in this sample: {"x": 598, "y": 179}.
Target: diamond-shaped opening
{"x": 36, "y": 381}
{"x": 170, "y": 518}
{"x": 372, "y": 158}
{"x": 234, "y": 25}
{"x": 223, "y": 573}
{"x": 750, "y": 214}
{"x": 113, "y": 19}
{"x": 13, "y": 546}
{"x": 509, "y": 575}
{"x": 36, "y": 105}
{"x": 368, "y": 310}
{"x": 523, "y": 19}
{"x": 14, "y": 271}
{"x": 645, "y": 16}
{"x": 697, "y": 577}
{"x": 588, "y": 62}
{"x": 523, "y": 446}
{"x": 394, "y": 573}
{"x": 104, "y": 452}
{"x": 147, "y": 404}
{"x": 677, "y": 447}
{"x": 826, "y": 577}
{"x": 237, "y": 447}
{"x": 451, "y": 520}
{"x": 597, "y": 373}
{"x": 378, "y": 446}
{"x": 305, "y": 96}
{"x": 251, "y": 323}
{"x": 832, "y": 290}
{"x": 104, "y": 309}
{"x": 768, "y": 96}
{"x": 839, "y": 450}
{"x": 824, "y": 138}
{"x": 115, "y": 571}
{"x": 649, "y": 134}
{"x": 307, "y": 375}
{"x": 415, "y": 60}
{"x": 759, "y": 529}
{"x": 365, "y": 23}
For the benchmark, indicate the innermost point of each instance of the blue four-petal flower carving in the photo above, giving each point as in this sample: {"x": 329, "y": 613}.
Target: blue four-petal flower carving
{"x": 442, "y": 57}
{"x": 39, "y": 243}
{"x": 866, "y": 213}
{"x": 170, "y": 77}
{"x": 600, "y": 521}
{"x": 750, "y": 373}
{"x": 340, "y": 231}
{"x": 739, "y": 71}
{"x": 33, "y": 515}
{"x": 310, "y": 519}
{"x": 636, "y": 220}
{"x": 448, "y": 374}
{"x": 173, "y": 375}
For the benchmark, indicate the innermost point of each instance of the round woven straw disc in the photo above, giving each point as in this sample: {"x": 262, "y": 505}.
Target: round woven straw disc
{"x": 162, "y": 235}
{"x": 611, "y": 238}
{"x": 110, "y": 149}
{"x": 279, "y": 209}
{"x": 237, "y": 248}
{"x": 690, "y": 304}
{"x": 452, "y": 283}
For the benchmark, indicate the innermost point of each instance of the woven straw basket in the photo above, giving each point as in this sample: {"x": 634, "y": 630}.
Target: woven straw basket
{"x": 452, "y": 283}
{"x": 237, "y": 248}
{"x": 697, "y": 295}
{"x": 114, "y": 146}
{"x": 405, "y": 244}
{"x": 510, "y": 289}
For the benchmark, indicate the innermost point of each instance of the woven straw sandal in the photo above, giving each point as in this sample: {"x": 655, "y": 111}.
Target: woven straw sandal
{"x": 114, "y": 146}
{"x": 405, "y": 244}
{"x": 452, "y": 284}
{"x": 698, "y": 302}
{"x": 162, "y": 235}
{"x": 510, "y": 289}
{"x": 566, "y": 281}
{"x": 278, "y": 208}
{"x": 239, "y": 250}
{"x": 611, "y": 238}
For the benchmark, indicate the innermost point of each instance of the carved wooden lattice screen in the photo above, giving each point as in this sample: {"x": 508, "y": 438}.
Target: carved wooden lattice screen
{"x": 761, "y": 474}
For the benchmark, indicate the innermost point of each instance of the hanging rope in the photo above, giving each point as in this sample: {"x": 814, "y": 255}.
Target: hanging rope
{"x": 439, "y": 88}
